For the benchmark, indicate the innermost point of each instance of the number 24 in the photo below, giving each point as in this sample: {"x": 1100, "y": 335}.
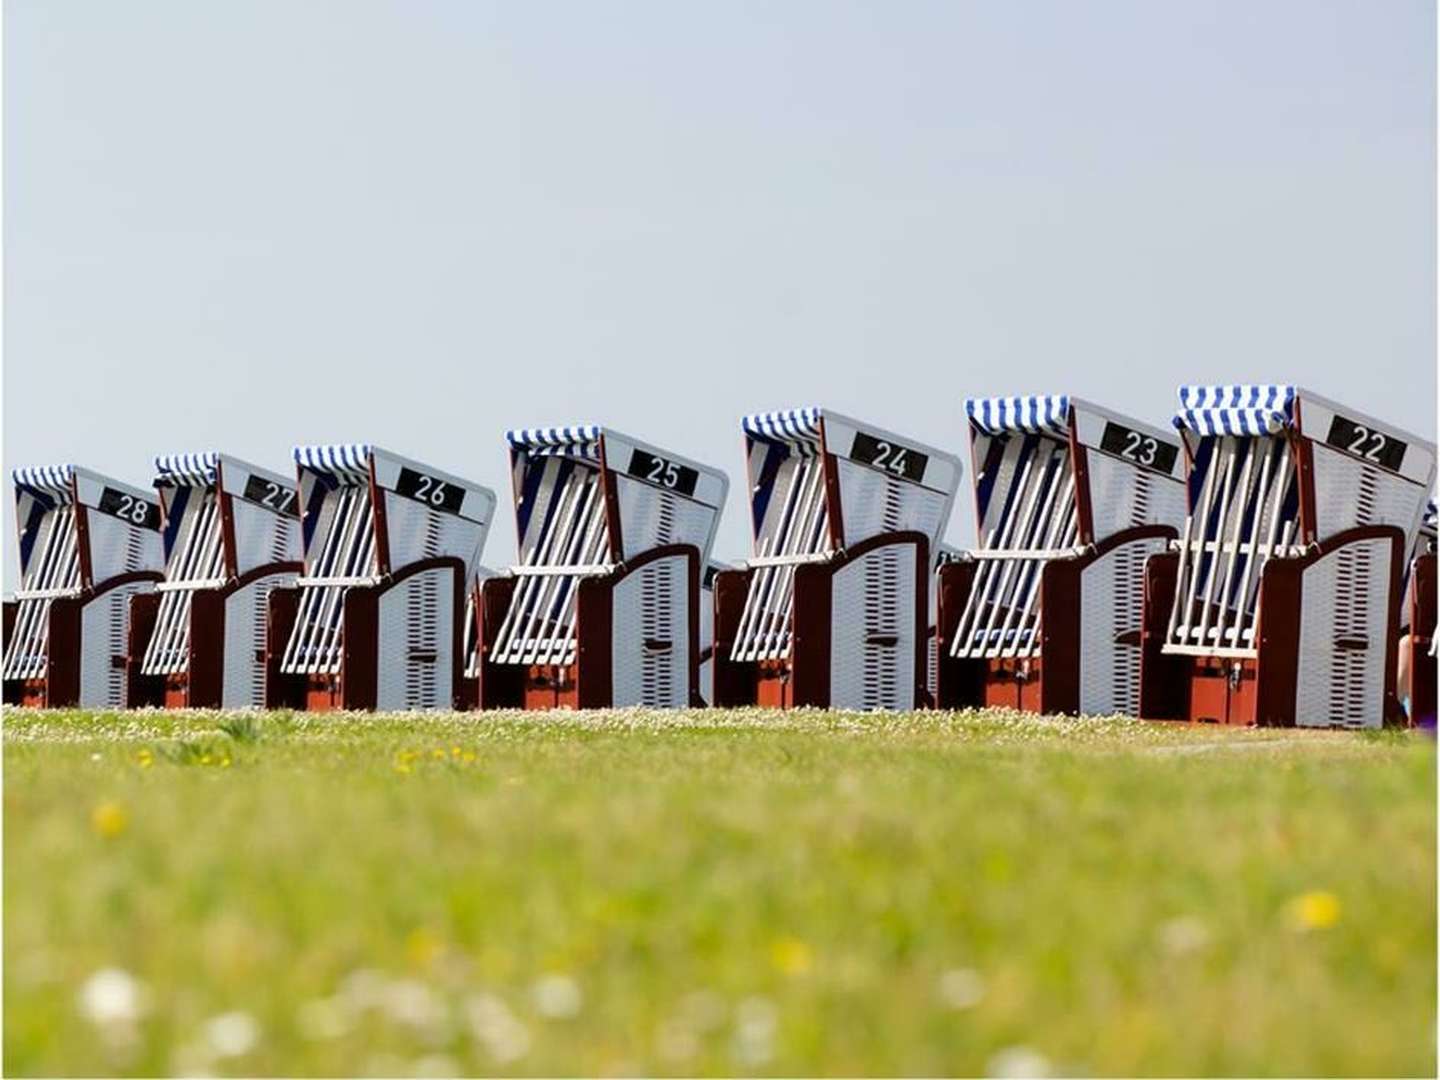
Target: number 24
{"x": 890, "y": 458}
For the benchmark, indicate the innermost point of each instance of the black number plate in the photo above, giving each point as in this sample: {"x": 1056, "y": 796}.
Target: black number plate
{"x": 273, "y": 496}
{"x": 1136, "y": 446}
{"x": 130, "y": 509}
{"x": 430, "y": 490}
{"x": 888, "y": 456}
{"x": 663, "y": 473}
{"x": 1365, "y": 442}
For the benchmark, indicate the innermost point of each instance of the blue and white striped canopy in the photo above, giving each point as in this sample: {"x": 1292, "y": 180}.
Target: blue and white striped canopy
{"x": 1236, "y": 409}
{"x": 1038, "y": 414}
{"x": 784, "y": 425}
{"x": 341, "y": 459}
{"x": 46, "y": 479}
{"x": 580, "y": 440}
{"x": 191, "y": 470}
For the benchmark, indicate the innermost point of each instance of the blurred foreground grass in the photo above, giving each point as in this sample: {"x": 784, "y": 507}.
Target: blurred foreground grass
{"x": 715, "y": 892}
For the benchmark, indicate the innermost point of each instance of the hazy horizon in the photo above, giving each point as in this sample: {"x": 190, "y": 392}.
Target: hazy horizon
{"x": 244, "y": 226}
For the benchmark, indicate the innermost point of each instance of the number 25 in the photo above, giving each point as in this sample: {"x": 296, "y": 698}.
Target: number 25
{"x": 665, "y": 473}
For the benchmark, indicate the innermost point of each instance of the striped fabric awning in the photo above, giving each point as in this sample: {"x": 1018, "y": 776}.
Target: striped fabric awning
{"x": 47, "y": 480}
{"x": 799, "y": 427}
{"x": 1236, "y": 410}
{"x": 189, "y": 470}
{"x": 347, "y": 460}
{"x": 581, "y": 440}
{"x": 1038, "y": 414}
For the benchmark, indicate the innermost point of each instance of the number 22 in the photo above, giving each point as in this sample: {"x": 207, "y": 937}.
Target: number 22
{"x": 1361, "y": 437}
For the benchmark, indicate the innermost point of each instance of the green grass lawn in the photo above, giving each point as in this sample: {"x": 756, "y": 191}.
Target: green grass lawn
{"x": 713, "y": 892}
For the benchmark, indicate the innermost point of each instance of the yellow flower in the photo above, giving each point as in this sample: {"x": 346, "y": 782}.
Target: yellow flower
{"x": 109, "y": 819}
{"x": 791, "y": 956}
{"x": 1315, "y": 910}
{"x": 438, "y": 754}
{"x": 145, "y": 758}
{"x": 422, "y": 946}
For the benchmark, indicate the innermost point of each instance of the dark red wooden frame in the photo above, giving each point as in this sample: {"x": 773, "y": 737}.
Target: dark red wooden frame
{"x": 1422, "y": 633}
{"x": 1245, "y": 691}
{"x": 59, "y": 687}
{"x": 804, "y": 679}
{"x": 587, "y": 683}
{"x": 1047, "y": 683}
{"x": 357, "y": 685}
{"x": 201, "y": 684}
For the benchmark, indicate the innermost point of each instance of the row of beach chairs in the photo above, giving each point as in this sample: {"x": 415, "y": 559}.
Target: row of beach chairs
{"x": 1269, "y": 558}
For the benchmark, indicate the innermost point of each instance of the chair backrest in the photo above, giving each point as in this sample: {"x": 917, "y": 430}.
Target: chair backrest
{"x": 820, "y": 482}
{"x": 1271, "y": 470}
{"x": 77, "y": 529}
{"x": 223, "y": 517}
{"x": 1053, "y": 476}
{"x": 587, "y": 498}
{"x": 368, "y": 513}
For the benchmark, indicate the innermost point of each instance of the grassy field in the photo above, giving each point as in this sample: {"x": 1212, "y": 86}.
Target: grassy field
{"x": 726, "y": 892}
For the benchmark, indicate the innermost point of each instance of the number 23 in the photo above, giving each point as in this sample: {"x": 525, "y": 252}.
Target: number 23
{"x": 1140, "y": 448}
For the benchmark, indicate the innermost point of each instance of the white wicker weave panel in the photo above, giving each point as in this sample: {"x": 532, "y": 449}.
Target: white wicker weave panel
{"x": 118, "y": 548}
{"x": 873, "y": 503}
{"x": 416, "y": 617}
{"x": 263, "y": 536}
{"x": 1111, "y": 602}
{"x": 873, "y": 600}
{"x": 1345, "y": 596}
{"x": 1123, "y": 496}
{"x": 1350, "y": 493}
{"x": 652, "y": 604}
{"x": 651, "y": 518}
{"x": 104, "y": 629}
{"x": 416, "y": 532}
{"x": 243, "y": 685}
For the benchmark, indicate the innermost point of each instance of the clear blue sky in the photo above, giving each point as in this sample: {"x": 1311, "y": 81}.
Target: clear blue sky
{"x": 248, "y": 224}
